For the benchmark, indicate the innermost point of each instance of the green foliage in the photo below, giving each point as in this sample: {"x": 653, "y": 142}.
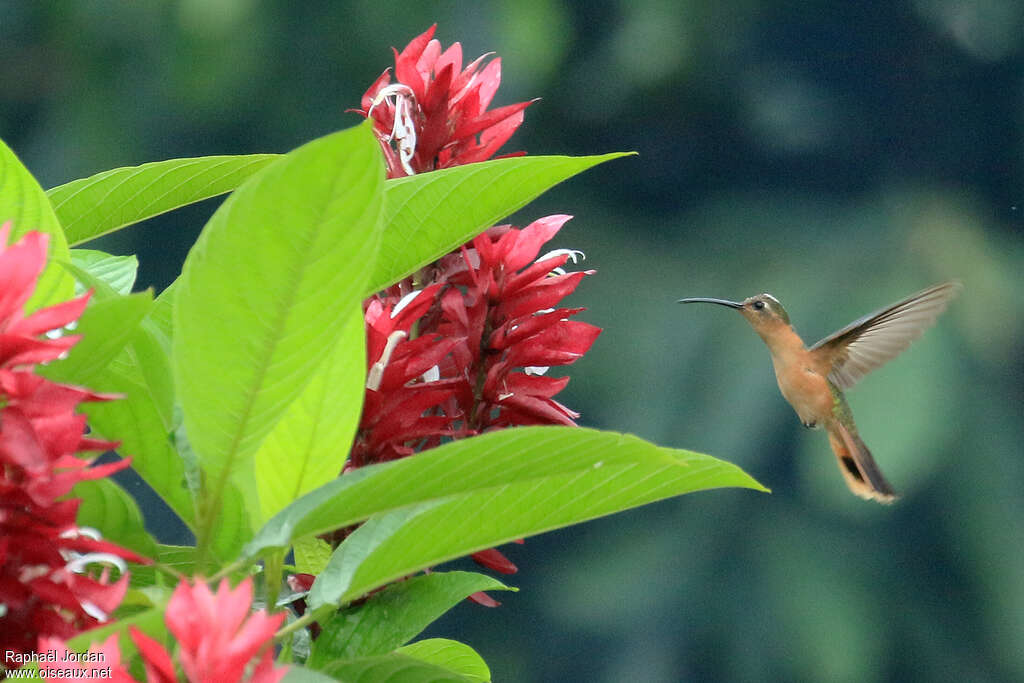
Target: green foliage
{"x": 544, "y": 459}
{"x": 94, "y": 206}
{"x": 431, "y": 214}
{"x": 302, "y": 451}
{"x": 395, "y": 615}
{"x": 107, "y": 506}
{"x": 396, "y": 667}
{"x": 451, "y": 655}
{"x": 599, "y": 473}
{"x": 273, "y": 276}
{"x": 24, "y": 204}
{"x": 116, "y": 271}
{"x": 106, "y": 328}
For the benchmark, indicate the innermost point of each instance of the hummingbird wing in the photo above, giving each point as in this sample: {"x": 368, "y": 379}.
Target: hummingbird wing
{"x": 878, "y": 337}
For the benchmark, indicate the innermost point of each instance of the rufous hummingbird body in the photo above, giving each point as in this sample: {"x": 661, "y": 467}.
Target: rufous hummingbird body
{"x": 813, "y": 379}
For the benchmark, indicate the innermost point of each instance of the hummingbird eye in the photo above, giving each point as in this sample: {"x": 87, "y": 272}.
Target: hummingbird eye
{"x": 759, "y": 305}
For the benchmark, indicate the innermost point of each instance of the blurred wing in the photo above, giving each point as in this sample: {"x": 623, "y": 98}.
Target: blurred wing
{"x": 878, "y": 337}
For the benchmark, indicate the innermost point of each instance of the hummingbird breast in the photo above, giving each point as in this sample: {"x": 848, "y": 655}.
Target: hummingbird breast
{"x": 806, "y": 389}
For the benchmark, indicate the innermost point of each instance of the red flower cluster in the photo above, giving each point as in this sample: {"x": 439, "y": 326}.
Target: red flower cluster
{"x": 44, "y": 587}
{"x": 467, "y": 352}
{"x": 435, "y": 113}
{"x": 485, "y": 334}
{"x": 218, "y": 637}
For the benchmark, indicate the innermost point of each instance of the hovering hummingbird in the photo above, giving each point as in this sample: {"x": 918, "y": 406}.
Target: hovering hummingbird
{"x": 813, "y": 379}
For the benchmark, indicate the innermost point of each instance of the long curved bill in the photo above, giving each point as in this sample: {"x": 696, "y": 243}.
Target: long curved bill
{"x": 720, "y": 302}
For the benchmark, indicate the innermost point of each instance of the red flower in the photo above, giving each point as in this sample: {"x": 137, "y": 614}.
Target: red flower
{"x": 45, "y": 589}
{"x": 487, "y": 333}
{"x": 469, "y": 353}
{"x": 218, "y": 634}
{"x": 20, "y": 266}
{"x": 399, "y": 386}
{"x": 102, "y": 662}
{"x": 504, "y": 308}
{"x": 435, "y": 113}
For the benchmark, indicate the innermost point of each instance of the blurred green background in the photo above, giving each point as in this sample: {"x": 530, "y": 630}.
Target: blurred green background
{"x": 839, "y": 155}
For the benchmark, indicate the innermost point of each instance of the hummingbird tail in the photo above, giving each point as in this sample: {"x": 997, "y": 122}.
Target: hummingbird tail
{"x": 858, "y": 465}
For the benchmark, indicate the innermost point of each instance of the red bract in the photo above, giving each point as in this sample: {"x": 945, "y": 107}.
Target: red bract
{"x": 103, "y": 662}
{"x": 435, "y": 113}
{"x": 470, "y": 352}
{"x": 44, "y": 555}
{"x": 218, "y": 638}
{"x": 219, "y": 635}
{"x": 488, "y": 331}
{"x": 504, "y": 308}
{"x": 20, "y": 266}
{"x": 399, "y": 393}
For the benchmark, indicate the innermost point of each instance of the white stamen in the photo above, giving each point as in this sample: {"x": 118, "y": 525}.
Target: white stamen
{"x": 94, "y": 611}
{"x": 574, "y": 255}
{"x": 536, "y": 369}
{"x": 376, "y": 373}
{"x": 432, "y": 375}
{"x": 78, "y": 564}
{"x": 403, "y": 131}
{"x": 80, "y": 531}
{"x": 404, "y": 301}
{"x": 502, "y": 397}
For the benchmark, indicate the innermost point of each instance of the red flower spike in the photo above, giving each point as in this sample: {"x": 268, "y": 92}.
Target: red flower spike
{"x": 105, "y": 663}
{"x": 49, "y": 584}
{"x": 218, "y": 634}
{"x": 435, "y": 113}
{"x": 155, "y": 659}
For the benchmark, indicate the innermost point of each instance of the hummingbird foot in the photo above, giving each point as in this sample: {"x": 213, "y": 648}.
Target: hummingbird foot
{"x": 811, "y": 425}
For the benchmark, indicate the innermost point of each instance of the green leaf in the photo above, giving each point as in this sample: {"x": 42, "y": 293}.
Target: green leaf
{"x": 392, "y": 668}
{"x": 395, "y": 615}
{"x": 430, "y": 214}
{"x": 530, "y": 456}
{"x": 150, "y": 622}
{"x": 309, "y": 445}
{"x": 23, "y": 202}
{"x": 450, "y": 654}
{"x": 300, "y": 674}
{"x": 263, "y": 292}
{"x": 181, "y": 558}
{"x": 311, "y": 554}
{"x": 116, "y": 271}
{"x": 93, "y": 206}
{"x": 394, "y": 544}
{"x": 105, "y": 328}
{"x": 108, "y": 508}
{"x": 143, "y": 418}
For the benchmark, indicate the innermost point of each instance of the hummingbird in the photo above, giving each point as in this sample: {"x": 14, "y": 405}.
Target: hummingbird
{"x": 813, "y": 379}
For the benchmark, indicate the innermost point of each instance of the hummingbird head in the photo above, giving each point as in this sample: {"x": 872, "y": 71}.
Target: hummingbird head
{"x": 762, "y": 311}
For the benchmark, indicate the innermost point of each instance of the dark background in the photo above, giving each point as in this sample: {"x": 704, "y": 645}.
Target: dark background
{"x": 839, "y": 155}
